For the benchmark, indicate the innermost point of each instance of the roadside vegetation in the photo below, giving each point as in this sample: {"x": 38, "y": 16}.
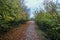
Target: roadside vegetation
{"x": 48, "y": 21}
{"x": 11, "y": 14}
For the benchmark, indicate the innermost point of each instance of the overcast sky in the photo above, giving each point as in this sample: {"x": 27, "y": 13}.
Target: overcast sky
{"x": 34, "y": 5}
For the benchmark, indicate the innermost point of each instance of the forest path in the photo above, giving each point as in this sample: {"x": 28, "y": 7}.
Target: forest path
{"x": 27, "y": 31}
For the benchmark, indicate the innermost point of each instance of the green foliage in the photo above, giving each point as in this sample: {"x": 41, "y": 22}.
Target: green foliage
{"x": 49, "y": 20}
{"x": 49, "y": 25}
{"x": 11, "y": 13}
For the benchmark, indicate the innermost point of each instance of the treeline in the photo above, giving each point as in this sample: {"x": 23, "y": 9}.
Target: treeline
{"x": 11, "y": 14}
{"x": 48, "y": 20}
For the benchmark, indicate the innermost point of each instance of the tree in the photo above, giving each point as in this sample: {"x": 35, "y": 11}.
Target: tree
{"x": 11, "y": 13}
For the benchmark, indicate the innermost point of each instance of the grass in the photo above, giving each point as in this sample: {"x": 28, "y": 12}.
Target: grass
{"x": 42, "y": 34}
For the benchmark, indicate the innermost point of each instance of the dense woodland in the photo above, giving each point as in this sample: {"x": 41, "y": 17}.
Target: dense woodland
{"x": 48, "y": 20}
{"x": 11, "y": 14}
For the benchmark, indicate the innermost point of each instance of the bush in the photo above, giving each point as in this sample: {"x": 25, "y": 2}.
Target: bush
{"x": 11, "y": 14}
{"x": 49, "y": 24}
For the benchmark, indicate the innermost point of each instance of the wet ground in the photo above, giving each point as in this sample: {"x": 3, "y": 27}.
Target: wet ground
{"x": 31, "y": 32}
{"x": 26, "y": 31}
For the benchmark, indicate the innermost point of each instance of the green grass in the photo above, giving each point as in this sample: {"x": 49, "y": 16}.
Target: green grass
{"x": 42, "y": 34}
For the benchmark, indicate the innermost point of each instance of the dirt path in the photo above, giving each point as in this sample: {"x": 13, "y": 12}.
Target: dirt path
{"x": 25, "y": 32}
{"x": 31, "y": 32}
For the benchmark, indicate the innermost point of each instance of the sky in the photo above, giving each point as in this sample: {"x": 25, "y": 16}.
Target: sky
{"x": 34, "y": 5}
